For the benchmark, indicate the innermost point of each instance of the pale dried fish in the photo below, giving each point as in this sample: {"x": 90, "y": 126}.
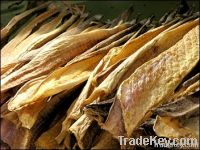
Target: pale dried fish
{"x": 61, "y": 50}
{"x": 145, "y": 53}
{"x": 33, "y": 47}
{"x": 171, "y": 128}
{"x": 145, "y": 80}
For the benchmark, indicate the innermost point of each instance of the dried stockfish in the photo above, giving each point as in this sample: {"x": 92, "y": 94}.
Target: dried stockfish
{"x": 25, "y": 44}
{"x": 159, "y": 88}
{"x": 8, "y": 50}
{"x": 15, "y": 20}
{"x": 74, "y": 77}
{"x": 147, "y": 52}
{"x": 62, "y": 50}
{"x": 31, "y": 48}
{"x": 75, "y": 114}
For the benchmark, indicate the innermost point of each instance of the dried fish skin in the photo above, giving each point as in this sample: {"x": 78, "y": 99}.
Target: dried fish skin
{"x": 44, "y": 28}
{"x": 33, "y": 47}
{"x": 171, "y": 128}
{"x": 150, "y": 50}
{"x": 7, "y": 51}
{"x": 154, "y": 90}
{"x": 9, "y": 27}
{"x": 73, "y": 73}
{"x": 60, "y": 50}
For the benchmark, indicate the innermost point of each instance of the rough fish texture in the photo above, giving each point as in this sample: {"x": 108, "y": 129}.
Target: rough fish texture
{"x": 157, "y": 79}
{"x": 7, "y": 51}
{"x": 171, "y": 128}
{"x": 9, "y": 27}
{"x": 150, "y": 50}
{"x": 60, "y": 50}
{"x": 71, "y": 73}
{"x": 35, "y": 41}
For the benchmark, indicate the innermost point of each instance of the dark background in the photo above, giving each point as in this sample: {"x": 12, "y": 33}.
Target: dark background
{"x": 110, "y": 9}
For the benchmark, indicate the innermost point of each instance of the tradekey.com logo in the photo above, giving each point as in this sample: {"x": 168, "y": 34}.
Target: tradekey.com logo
{"x": 160, "y": 142}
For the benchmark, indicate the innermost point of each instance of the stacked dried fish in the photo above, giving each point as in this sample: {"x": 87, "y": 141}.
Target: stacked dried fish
{"x": 70, "y": 80}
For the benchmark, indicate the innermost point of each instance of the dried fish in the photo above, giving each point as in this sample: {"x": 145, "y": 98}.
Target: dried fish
{"x": 165, "y": 64}
{"x": 142, "y": 70}
{"x": 32, "y": 47}
{"x": 62, "y": 50}
{"x": 12, "y": 23}
{"x": 7, "y": 51}
{"x": 147, "y": 52}
{"x": 171, "y": 128}
{"x": 76, "y": 111}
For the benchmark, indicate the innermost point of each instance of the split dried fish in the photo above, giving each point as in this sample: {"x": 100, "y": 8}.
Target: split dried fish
{"x": 12, "y": 23}
{"x": 72, "y": 81}
{"x": 7, "y": 51}
{"x": 33, "y": 46}
{"x": 165, "y": 64}
{"x": 62, "y": 50}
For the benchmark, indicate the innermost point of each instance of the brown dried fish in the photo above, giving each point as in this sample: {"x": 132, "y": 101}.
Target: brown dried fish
{"x": 105, "y": 141}
{"x": 8, "y": 51}
{"x": 15, "y": 20}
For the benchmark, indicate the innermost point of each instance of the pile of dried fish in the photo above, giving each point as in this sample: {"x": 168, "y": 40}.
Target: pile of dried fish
{"x": 71, "y": 80}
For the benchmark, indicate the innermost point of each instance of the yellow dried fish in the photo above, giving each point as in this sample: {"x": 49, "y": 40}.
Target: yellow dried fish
{"x": 157, "y": 79}
{"x": 24, "y": 45}
{"x": 61, "y": 50}
{"x": 148, "y": 51}
{"x": 12, "y": 23}
{"x": 8, "y": 51}
{"x": 110, "y": 60}
{"x": 73, "y": 73}
{"x": 28, "y": 120}
{"x": 171, "y": 128}
{"x": 35, "y": 43}
{"x": 102, "y": 66}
